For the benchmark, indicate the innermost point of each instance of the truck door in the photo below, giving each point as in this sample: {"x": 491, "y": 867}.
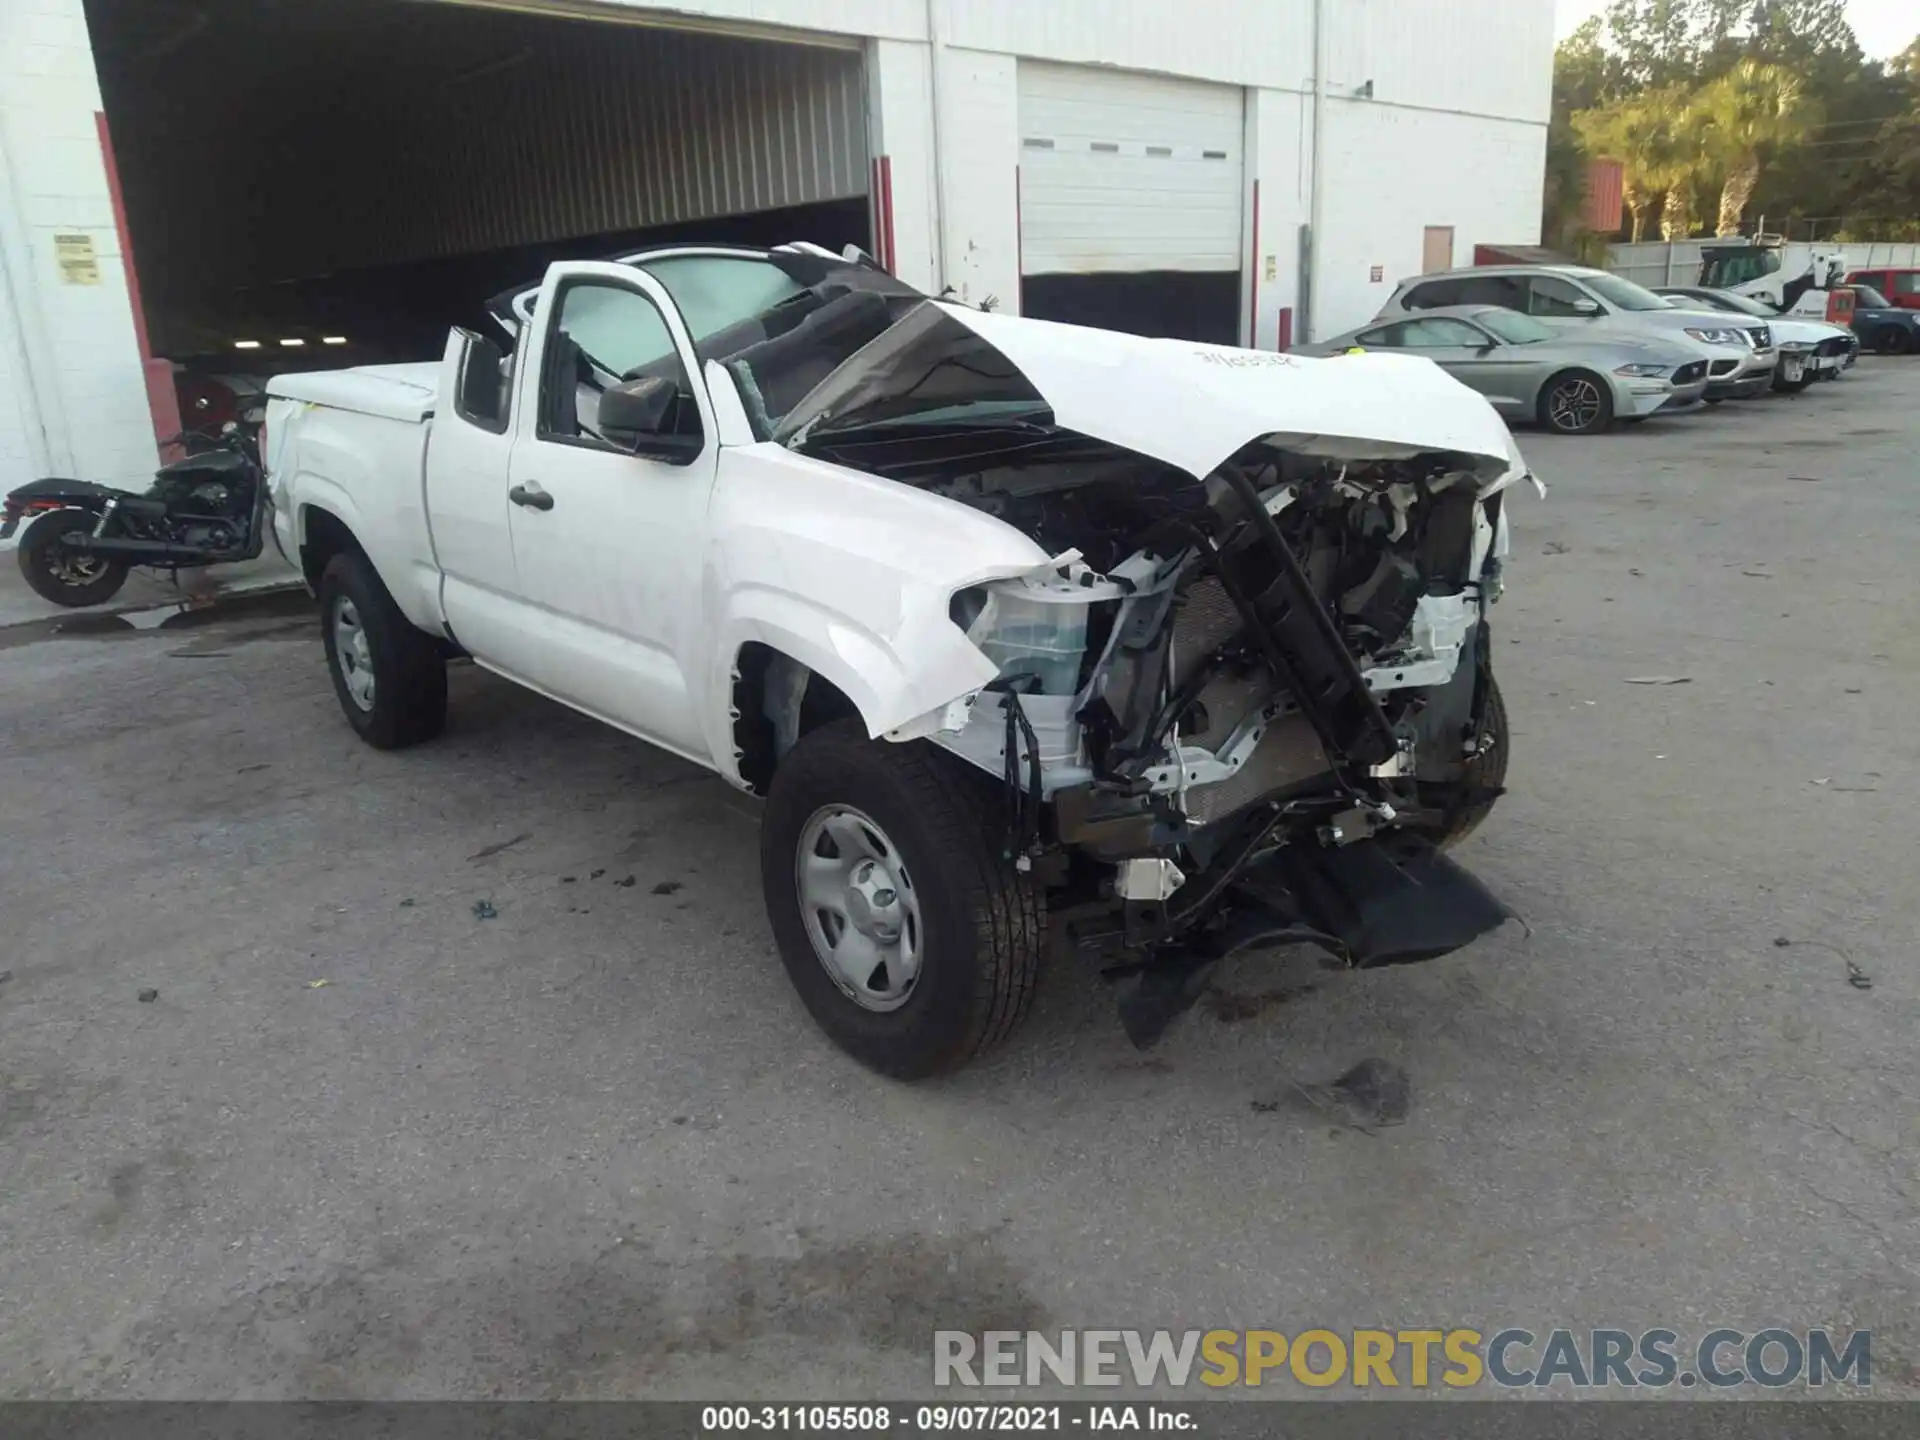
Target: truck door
{"x": 608, "y": 523}
{"x": 468, "y": 452}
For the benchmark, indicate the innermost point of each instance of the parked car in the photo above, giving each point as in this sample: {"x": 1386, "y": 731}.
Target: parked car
{"x": 1573, "y": 383}
{"x": 1182, "y": 643}
{"x": 1899, "y": 284}
{"x": 1883, "y": 326}
{"x": 1809, "y": 350}
{"x": 1739, "y": 352}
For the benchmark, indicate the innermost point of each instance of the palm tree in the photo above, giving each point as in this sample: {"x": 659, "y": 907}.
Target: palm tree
{"x": 1752, "y": 108}
{"x": 1621, "y": 130}
{"x": 1674, "y": 156}
{"x": 1656, "y": 136}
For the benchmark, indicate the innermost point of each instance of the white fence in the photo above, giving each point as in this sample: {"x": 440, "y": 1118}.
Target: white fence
{"x": 1660, "y": 262}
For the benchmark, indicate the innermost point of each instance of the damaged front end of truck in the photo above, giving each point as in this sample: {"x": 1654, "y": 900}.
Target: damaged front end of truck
{"x": 1251, "y": 698}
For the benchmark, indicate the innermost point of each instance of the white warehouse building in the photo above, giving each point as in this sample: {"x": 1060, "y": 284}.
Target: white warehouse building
{"x": 193, "y": 192}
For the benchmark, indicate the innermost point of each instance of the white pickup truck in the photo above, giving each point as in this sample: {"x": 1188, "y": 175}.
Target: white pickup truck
{"x": 1176, "y": 648}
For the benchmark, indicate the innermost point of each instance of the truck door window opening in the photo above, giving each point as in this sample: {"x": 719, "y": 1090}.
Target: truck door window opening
{"x": 604, "y": 333}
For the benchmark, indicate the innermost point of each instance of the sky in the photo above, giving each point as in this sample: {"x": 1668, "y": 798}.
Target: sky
{"x": 1883, "y": 27}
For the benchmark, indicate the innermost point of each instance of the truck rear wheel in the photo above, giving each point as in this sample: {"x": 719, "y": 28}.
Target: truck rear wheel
{"x": 911, "y": 937}
{"x": 390, "y": 677}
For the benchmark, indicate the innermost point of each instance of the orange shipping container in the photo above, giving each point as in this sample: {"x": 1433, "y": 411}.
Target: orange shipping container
{"x": 1601, "y": 213}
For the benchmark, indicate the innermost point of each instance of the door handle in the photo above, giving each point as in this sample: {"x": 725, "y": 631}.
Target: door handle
{"x": 531, "y": 496}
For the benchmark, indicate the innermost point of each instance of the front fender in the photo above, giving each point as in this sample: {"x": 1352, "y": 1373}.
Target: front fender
{"x": 852, "y": 576}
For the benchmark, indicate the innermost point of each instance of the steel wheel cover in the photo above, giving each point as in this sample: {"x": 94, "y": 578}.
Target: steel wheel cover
{"x": 859, "y": 907}
{"x": 352, "y": 654}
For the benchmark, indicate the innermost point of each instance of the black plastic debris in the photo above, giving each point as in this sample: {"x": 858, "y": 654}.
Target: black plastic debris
{"x": 1858, "y": 978}
{"x": 628, "y": 883}
{"x": 596, "y": 874}
{"x": 1371, "y": 1096}
{"x": 489, "y": 850}
{"x": 667, "y": 887}
{"x": 483, "y": 910}
{"x": 407, "y": 904}
{"x": 147, "y": 997}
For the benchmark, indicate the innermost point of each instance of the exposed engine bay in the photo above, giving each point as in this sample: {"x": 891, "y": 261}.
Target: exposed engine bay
{"x": 1218, "y": 691}
{"x": 1249, "y": 698}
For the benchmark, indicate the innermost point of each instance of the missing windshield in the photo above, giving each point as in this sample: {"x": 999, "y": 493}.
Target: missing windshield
{"x": 926, "y": 367}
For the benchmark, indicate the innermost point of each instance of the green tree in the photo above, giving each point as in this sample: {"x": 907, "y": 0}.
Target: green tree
{"x": 1656, "y": 137}
{"x": 1845, "y": 147}
{"x": 1580, "y": 80}
{"x": 1657, "y": 42}
{"x": 1751, "y": 110}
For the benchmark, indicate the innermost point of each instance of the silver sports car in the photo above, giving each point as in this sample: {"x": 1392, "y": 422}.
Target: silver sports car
{"x": 1533, "y": 372}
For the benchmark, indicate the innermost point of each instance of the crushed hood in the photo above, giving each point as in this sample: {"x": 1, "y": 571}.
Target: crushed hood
{"x": 1188, "y": 404}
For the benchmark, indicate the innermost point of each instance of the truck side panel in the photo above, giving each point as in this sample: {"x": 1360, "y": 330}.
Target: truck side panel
{"x": 366, "y": 471}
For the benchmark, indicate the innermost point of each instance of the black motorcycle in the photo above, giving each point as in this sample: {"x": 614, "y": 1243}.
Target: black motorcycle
{"x": 207, "y": 508}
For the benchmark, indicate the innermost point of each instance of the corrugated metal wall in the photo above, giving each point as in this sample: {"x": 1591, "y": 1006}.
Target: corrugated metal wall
{"x": 286, "y": 141}
{"x": 589, "y": 130}
{"x": 1600, "y": 212}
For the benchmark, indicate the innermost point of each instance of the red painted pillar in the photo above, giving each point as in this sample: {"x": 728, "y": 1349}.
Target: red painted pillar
{"x": 162, "y": 400}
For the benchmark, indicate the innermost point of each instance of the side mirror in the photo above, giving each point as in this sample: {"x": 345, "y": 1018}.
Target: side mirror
{"x": 482, "y": 396}
{"x": 1585, "y": 307}
{"x": 635, "y": 413}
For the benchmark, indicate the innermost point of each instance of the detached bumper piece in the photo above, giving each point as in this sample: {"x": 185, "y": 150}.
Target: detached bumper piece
{"x": 1389, "y": 900}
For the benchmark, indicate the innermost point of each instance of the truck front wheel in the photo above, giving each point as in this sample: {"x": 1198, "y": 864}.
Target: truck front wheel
{"x": 390, "y": 676}
{"x": 1471, "y": 799}
{"x": 911, "y": 937}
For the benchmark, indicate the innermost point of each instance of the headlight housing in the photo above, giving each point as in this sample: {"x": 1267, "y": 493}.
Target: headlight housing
{"x": 1715, "y": 335}
{"x": 1641, "y": 371}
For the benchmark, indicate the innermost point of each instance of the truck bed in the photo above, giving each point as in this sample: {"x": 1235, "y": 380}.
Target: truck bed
{"x": 393, "y": 392}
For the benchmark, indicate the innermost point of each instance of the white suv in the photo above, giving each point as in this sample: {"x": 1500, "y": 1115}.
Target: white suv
{"x": 1739, "y": 350}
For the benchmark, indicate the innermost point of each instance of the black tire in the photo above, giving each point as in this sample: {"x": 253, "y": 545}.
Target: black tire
{"x": 62, "y": 575}
{"x": 982, "y": 927}
{"x": 1485, "y": 771}
{"x": 1892, "y": 340}
{"x": 408, "y": 703}
{"x": 1576, "y": 402}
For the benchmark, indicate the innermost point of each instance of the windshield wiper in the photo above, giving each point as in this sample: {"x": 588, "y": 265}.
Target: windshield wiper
{"x": 906, "y": 427}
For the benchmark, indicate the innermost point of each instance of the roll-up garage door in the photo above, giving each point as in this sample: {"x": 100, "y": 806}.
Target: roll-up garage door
{"x": 1130, "y": 200}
